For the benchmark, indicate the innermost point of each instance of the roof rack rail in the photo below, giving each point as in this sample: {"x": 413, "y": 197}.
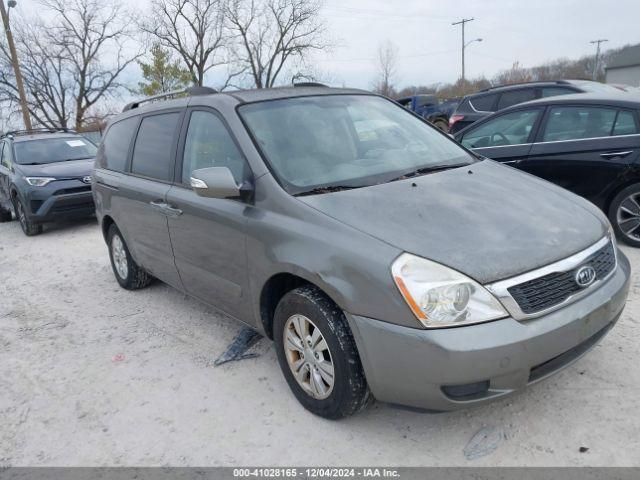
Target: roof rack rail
{"x": 309, "y": 84}
{"x": 190, "y": 91}
{"x": 532, "y": 82}
{"x": 34, "y": 131}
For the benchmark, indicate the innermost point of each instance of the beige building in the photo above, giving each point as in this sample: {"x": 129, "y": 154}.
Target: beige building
{"x": 624, "y": 68}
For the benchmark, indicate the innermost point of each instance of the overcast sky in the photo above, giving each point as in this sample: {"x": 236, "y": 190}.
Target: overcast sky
{"x": 524, "y": 30}
{"x": 529, "y": 31}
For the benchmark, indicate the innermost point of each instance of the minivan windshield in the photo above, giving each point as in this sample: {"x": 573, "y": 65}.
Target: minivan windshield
{"x": 51, "y": 150}
{"x": 324, "y": 143}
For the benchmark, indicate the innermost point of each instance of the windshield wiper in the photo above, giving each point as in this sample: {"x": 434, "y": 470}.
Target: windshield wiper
{"x": 424, "y": 170}
{"x": 327, "y": 189}
{"x": 73, "y": 159}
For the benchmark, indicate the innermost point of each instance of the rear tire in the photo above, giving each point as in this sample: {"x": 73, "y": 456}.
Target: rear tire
{"x": 312, "y": 337}
{"x": 624, "y": 215}
{"x": 128, "y": 273}
{"x": 29, "y": 228}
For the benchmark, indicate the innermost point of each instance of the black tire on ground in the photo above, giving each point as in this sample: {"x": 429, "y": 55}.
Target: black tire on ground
{"x": 622, "y": 196}
{"x": 29, "y": 228}
{"x": 441, "y": 125}
{"x": 350, "y": 392}
{"x": 135, "y": 277}
{"x": 5, "y": 215}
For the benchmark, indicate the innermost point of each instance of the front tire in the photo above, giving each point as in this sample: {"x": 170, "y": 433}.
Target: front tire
{"x": 318, "y": 355}
{"x": 128, "y": 273}
{"x": 29, "y": 228}
{"x": 624, "y": 215}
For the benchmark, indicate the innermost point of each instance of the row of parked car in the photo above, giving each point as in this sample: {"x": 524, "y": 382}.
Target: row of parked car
{"x": 385, "y": 259}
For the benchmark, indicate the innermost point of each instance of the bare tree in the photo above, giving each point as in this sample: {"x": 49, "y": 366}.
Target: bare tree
{"x": 271, "y": 35}
{"x": 387, "y": 65}
{"x": 48, "y": 82}
{"x": 64, "y": 59}
{"x": 516, "y": 74}
{"x": 194, "y": 29}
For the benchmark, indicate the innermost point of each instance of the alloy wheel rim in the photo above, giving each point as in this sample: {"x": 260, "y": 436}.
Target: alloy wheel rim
{"x": 119, "y": 257}
{"x": 308, "y": 356}
{"x": 22, "y": 218}
{"x": 628, "y": 216}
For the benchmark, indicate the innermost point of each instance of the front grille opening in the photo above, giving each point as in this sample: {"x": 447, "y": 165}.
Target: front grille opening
{"x": 552, "y": 289}
{"x": 72, "y": 207}
{"x": 66, "y": 191}
{"x": 466, "y": 391}
{"x": 550, "y": 366}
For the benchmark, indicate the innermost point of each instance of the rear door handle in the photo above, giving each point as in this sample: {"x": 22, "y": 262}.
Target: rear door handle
{"x": 165, "y": 208}
{"x": 172, "y": 211}
{"x": 616, "y": 154}
{"x": 158, "y": 205}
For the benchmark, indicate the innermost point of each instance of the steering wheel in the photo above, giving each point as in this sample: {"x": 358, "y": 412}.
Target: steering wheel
{"x": 504, "y": 139}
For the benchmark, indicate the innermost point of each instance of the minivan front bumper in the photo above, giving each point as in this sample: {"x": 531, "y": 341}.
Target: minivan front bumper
{"x": 452, "y": 368}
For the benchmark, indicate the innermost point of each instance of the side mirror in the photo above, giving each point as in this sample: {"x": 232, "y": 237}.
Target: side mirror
{"x": 214, "y": 182}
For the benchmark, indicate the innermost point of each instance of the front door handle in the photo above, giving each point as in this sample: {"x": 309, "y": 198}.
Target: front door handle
{"x": 616, "y": 154}
{"x": 511, "y": 162}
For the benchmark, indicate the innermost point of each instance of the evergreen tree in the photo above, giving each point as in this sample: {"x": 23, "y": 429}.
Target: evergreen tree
{"x": 162, "y": 73}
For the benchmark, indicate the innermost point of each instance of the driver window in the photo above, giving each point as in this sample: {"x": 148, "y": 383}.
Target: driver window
{"x": 209, "y": 144}
{"x": 509, "y": 129}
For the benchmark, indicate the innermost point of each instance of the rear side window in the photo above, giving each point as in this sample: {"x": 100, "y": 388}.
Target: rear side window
{"x": 152, "y": 150}
{"x": 515, "y": 97}
{"x": 575, "y": 123}
{"x": 483, "y": 103}
{"x": 625, "y": 124}
{"x": 115, "y": 146}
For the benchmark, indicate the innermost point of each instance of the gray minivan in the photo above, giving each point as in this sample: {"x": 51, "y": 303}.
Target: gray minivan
{"x": 383, "y": 259}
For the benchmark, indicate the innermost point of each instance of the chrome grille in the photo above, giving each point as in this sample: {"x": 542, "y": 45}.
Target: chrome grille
{"x": 554, "y": 288}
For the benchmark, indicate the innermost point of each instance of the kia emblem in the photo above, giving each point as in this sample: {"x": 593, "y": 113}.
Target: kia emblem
{"x": 585, "y": 276}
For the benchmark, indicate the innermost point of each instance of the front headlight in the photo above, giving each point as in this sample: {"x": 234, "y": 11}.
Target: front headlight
{"x": 442, "y": 297}
{"x": 39, "y": 181}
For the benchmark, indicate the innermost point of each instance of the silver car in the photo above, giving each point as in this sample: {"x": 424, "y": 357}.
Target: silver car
{"x": 383, "y": 259}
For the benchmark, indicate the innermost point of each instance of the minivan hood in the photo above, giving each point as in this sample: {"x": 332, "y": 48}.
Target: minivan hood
{"x": 485, "y": 220}
{"x": 72, "y": 168}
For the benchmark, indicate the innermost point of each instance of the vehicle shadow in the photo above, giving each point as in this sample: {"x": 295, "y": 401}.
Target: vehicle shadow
{"x": 69, "y": 224}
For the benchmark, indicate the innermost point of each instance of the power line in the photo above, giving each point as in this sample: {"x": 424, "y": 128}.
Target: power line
{"x": 462, "y": 23}
{"x": 595, "y": 64}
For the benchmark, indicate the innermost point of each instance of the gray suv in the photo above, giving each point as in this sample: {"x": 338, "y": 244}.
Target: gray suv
{"x": 45, "y": 176}
{"x": 382, "y": 258}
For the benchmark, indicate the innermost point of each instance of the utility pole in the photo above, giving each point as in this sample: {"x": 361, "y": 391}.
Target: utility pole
{"x": 595, "y": 65}
{"x": 464, "y": 45}
{"x": 16, "y": 65}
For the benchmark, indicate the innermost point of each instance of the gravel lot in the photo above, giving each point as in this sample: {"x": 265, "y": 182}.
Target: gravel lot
{"x": 91, "y": 374}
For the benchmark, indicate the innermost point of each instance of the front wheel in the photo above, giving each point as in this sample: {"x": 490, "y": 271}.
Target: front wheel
{"x": 624, "y": 215}
{"x": 29, "y": 228}
{"x": 318, "y": 355}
